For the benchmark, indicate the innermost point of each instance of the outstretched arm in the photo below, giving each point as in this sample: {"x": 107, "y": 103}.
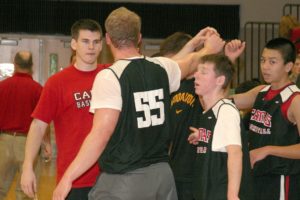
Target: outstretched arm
{"x": 104, "y": 123}
{"x": 189, "y": 64}
{"x": 246, "y": 100}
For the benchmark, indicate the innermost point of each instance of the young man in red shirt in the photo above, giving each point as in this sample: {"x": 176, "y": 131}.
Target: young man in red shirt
{"x": 66, "y": 101}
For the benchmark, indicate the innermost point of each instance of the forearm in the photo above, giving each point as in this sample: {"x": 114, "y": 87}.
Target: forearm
{"x": 47, "y": 136}
{"x": 89, "y": 153}
{"x": 234, "y": 164}
{"x": 246, "y": 100}
{"x": 33, "y": 142}
{"x": 189, "y": 64}
{"x": 291, "y": 151}
{"x": 188, "y": 48}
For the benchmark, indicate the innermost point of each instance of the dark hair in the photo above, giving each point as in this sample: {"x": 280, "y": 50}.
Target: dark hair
{"x": 174, "y": 43}
{"x": 246, "y": 86}
{"x": 222, "y": 67}
{"x": 286, "y": 48}
{"x": 85, "y": 24}
{"x": 24, "y": 60}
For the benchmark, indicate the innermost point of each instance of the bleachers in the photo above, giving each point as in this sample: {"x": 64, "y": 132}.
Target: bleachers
{"x": 291, "y": 9}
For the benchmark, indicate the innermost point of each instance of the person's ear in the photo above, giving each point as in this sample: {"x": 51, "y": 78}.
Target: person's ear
{"x": 73, "y": 44}
{"x": 140, "y": 38}
{"x": 289, "y": 66}
{"x": 221, "y": 80}
{"x": 107, "y": 39}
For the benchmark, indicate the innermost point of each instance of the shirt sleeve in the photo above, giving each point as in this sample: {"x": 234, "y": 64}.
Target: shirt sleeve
{"x": 227, "y": 130}
{"x": 46, "y": 108}
{"x": 106, "y": 91}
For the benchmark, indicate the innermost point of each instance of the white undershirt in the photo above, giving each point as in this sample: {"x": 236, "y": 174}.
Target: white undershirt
{"x": 227, "y": 129}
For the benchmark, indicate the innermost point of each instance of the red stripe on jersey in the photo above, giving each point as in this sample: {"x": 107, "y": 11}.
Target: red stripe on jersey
{"x": 287, "y": 187}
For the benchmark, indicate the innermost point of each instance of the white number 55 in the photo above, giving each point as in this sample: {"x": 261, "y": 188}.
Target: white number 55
{"x": 147, "y": 101}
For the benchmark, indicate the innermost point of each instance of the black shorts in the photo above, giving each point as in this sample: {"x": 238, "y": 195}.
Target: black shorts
{"x": 277, "y": 187}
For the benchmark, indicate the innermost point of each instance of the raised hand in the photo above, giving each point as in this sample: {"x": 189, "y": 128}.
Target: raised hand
{"x": 234, "y": 49}
{"x": 198, "y": 40}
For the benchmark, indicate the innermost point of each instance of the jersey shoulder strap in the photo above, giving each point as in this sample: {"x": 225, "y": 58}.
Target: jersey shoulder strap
{"x": 288, "y": 92}
{"x": 219, "y": 104}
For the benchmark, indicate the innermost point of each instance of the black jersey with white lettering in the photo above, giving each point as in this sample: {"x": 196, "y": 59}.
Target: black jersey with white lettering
{"x": 210, "y": 181}
{"x": 184, "y": 103}
{"x": 268, "y": 126}
{"x": 141, "y": 136}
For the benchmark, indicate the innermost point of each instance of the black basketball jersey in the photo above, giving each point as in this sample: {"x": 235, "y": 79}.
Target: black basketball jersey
{"x": 210, "y": 168}
{"x": 184, "y": 103}
{"x": 141, "y": 136}
{"x": 268, "y": 126}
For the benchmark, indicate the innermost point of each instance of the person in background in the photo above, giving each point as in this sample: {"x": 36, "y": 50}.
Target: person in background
{"x": 294, "y": 76}
{"x": 19, "y": 95}
{"x": 274, "y": 124}
{"x": 286, "y": 24}
{"x": 222, "y": 165}
{"x": 289, "y": 28}
{"x": 173, "y": 44}
{"x": 180, "y": 151}
{"x": 130, "y": 134}
{"x": 182, "y": 106}
{"x": 180, "y": 154}
{"x": 65, "y": 100}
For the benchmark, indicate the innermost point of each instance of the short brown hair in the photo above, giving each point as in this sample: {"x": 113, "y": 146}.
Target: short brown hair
{"x": 85, "y": 24}
{"x": 174, "y": 43}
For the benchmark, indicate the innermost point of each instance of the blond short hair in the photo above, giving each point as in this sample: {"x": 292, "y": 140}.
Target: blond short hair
{"x": 124, "y": 27}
